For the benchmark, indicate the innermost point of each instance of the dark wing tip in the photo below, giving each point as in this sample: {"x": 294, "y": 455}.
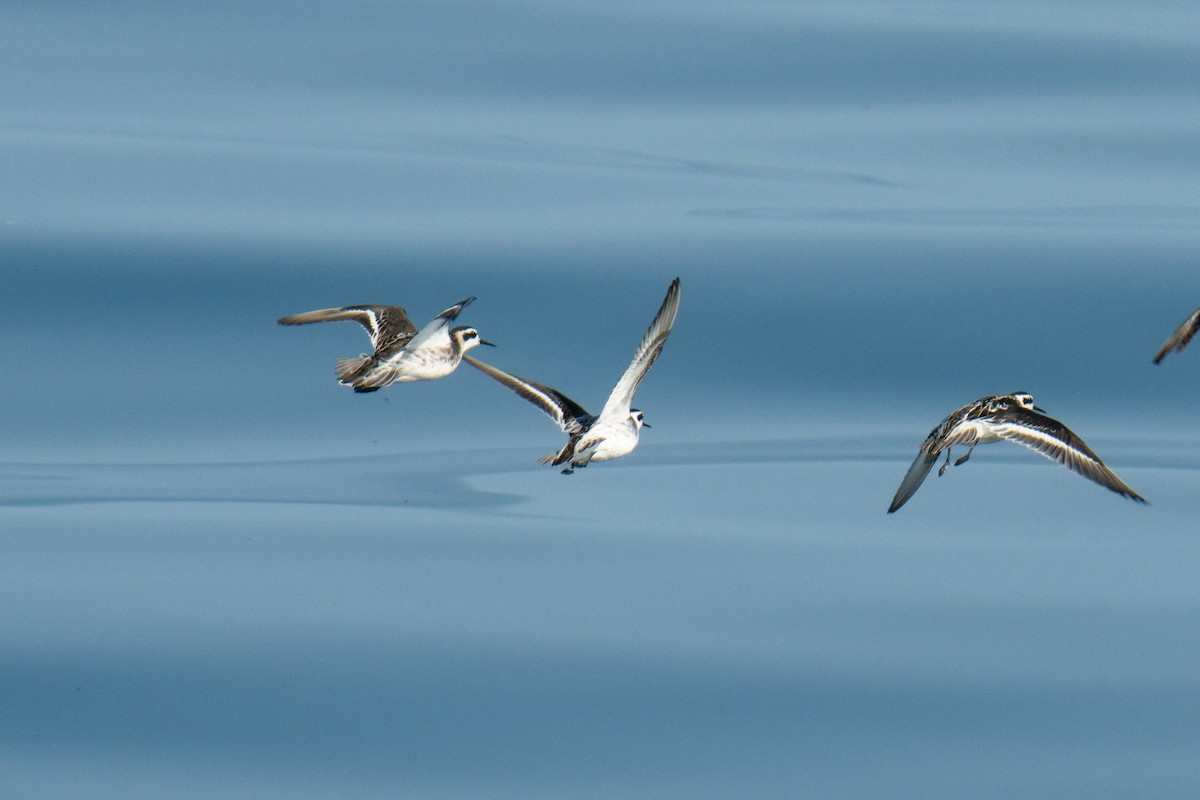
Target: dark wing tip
{"x": 1125, "y": 491}
{"x": 453, "y": 311}
{"x": 667, "y": 311}
{"x": 1109, "y": 480}
{"x": 308, "y": 317}
{"x": 1122, "y": 488}
{"x": 673, "y": 289}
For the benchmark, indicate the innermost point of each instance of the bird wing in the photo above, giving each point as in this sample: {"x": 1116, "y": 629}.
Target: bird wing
{"x": 913, "y": 479}
{"x": 1057, "y": 442}
{"x": 1180, "y": 338}
{"x": 386, "y": 325}
{"x": 569, "y": 415}
{"x": 439, "y": 323}
{"x": 964, "y": 432}
{"x": 958, "y": 428}
{"x": 651, "y": 345}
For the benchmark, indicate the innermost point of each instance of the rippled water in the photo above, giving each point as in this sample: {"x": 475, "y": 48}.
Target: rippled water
{"x": 226, "y": 575}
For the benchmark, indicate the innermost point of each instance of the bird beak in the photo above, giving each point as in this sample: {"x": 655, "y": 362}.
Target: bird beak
{"x": 646, "y": 424}
{"x": 1039, "y": 409}
{"x": 485, "y": 341}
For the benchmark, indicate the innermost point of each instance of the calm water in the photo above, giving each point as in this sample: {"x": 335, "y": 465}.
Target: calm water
{"x": 225, "y": 575}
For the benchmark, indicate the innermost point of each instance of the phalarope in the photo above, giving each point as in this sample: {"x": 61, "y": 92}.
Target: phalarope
{"x": 1180, "y": 338}
{"x": 401, "y": 352}
{"x": 614, "y": 433}
{"x": 1016, "y": 418}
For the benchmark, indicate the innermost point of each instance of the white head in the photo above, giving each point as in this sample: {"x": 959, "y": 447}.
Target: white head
{"x": 1024, "y": 400}
{"x": 639, "y": 419}
{"x": 468, "y": 338}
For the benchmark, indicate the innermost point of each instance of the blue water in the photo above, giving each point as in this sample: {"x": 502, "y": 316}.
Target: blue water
{"x": 224, "y": 575}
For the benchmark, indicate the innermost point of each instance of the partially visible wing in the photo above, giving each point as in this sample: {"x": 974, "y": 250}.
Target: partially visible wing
{"x": 1180, "y": 338}
{"x": 958, "y": 428}
{"x": 1056, "y": 441}
{"x": 439, "y": 323}
{"x": 913, "y": 479}
{"x": 652, "y": 344}
{"x": 569, "y": 415}
{"x": 964, "y": 432}
{"x": 388, "y": 326}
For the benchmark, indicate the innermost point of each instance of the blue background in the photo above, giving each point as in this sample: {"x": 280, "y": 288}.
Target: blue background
{"x": 224, "y": 574}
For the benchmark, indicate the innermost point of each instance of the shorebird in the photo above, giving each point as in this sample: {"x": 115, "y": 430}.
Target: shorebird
{"x": 1016, "y": 418}
{"x": 614, "y": 433}
{"x": 401, "y": 352}
{"x": 1180, "y": 338}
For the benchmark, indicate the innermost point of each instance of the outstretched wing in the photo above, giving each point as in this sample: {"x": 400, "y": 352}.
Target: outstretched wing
{"x": 913, "y": 479}
{"x": 438, "y": 324}
{"x": 388, "y": 326}
{"x": 1057, "y": 442}
{"x": 652, "y": 344}
{"x": 569, "y": 415}
{"x": 1180, "y": 338}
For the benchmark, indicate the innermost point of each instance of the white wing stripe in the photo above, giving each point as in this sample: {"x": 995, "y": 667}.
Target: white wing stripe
{"x": 1061, "y": 450}
{"x": 548, "y": 400}
{"x": 1074, "y": 458}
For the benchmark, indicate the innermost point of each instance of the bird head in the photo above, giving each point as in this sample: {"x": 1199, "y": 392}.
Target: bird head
{"x": 1025, "y": 400}
{"x": 468, "y": 338}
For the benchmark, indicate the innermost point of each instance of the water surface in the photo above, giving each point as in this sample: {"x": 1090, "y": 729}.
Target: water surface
{"x": 224, "y": 574}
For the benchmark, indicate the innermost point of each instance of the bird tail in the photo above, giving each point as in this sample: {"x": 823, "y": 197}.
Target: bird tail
{"x": 561, "y": 456}
{"x": 353, "y": 372}
{"x": 349, "y": 368}
{"x": 913, "y": 479}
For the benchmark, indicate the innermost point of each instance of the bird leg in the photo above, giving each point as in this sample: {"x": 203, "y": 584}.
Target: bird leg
{"x": 946, "y": 465}
{"x": 963, "y": 460}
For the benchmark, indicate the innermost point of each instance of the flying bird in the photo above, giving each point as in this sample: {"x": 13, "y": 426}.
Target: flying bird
{"x": 401, "y": 352}
{"x": 1013, "y": 417}
{"x": 1180, "y": 338}
{"x": 614, "y": 433}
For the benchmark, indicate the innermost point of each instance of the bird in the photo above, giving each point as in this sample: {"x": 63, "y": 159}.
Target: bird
{"x": 1013, "y": 417}
{"x": 401, "y": 352}
{"x": 1180, "y": 338}
{"x": 614, "y": 433}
